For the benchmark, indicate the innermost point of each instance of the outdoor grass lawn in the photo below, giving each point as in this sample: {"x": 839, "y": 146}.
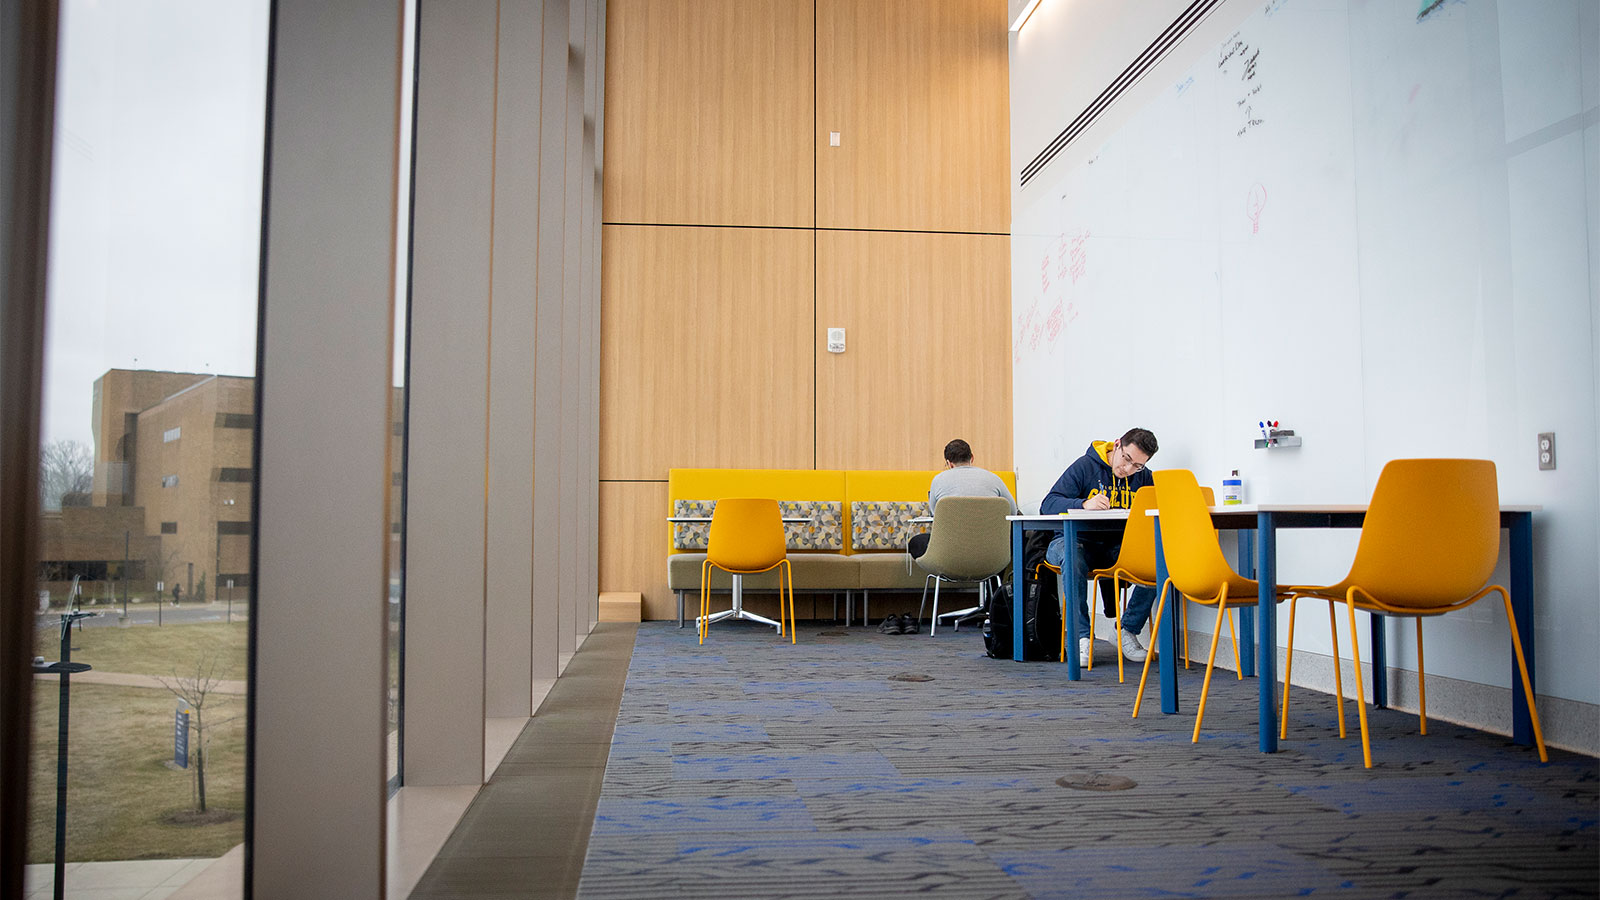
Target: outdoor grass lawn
{"x": 153, "y": 649}
{"x": 119, "y": 788}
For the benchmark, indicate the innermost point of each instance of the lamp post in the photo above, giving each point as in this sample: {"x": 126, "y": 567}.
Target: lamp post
{"x": 64, "y": 668}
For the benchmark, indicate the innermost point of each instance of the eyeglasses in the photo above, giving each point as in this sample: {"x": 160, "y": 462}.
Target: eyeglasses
{"x": 1128, "y": 460}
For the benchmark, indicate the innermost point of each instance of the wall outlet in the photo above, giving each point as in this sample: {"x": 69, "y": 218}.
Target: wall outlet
{"x": 1547, "y": 450}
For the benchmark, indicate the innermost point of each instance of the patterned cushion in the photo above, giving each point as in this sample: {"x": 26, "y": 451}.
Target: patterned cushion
{"x": 825, "y": 531}
{"x": 692, "y": 535}
{"x": 885, "y": 524}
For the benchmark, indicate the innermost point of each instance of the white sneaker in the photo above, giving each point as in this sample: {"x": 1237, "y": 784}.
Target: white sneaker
{"x": 1132, "y": 650}
{"x": 1085, "y": 651}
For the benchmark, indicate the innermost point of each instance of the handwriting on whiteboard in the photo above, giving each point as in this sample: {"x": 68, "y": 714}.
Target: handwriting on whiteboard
{"x": 1078, "y": 255}
{"x": 1238, "y": 57}
{"x": 1254, "y": 202}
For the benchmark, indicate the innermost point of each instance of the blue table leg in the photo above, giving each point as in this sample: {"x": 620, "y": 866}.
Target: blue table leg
{"x": 1267, "y": 629}
{"x": 1522, "y": 607}
{"x": 1380, "y": 661}
{"x": 1072, "y": 584}
{"x": 1167, "y": 644}
{"x": 1247, "y": 616}
{"x": 1019, "y": 583}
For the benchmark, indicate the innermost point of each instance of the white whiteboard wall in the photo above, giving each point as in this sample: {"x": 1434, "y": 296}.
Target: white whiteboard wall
{"x": 1375, "y": 226}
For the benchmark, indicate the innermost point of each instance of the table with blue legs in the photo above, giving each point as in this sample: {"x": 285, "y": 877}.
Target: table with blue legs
{"x": 1259, "y": 645}
{"x": 1073, "y": 583}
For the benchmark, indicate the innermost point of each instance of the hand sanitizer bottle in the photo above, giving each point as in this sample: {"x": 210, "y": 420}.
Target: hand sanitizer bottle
{"x": 1232, "y": 489}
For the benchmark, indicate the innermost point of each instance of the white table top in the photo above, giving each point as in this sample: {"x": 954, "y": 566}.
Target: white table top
{"x": 1328, "y": 508}
{"x": 1072, "y": 514}
{"x": 1251, "y": 508}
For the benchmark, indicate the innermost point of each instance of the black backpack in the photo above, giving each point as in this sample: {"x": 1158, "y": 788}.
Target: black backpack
{"x": 1041, "y": 608}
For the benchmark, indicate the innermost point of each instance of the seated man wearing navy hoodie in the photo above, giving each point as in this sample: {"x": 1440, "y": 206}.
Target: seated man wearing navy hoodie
{"x": 1105, "y": 477}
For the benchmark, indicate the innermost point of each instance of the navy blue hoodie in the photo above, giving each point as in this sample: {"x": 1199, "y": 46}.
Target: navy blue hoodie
{"x": 1090, "y": 475}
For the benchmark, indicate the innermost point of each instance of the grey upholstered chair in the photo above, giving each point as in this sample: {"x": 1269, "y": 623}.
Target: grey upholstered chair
{"x": 970, "y": 542}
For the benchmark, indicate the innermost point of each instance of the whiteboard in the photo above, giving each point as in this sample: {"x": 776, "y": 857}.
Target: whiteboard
{"x": 1373, "y": 220}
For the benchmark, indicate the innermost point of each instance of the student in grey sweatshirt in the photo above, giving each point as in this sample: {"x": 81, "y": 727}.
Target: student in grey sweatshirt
{"x": 960, "y": 478}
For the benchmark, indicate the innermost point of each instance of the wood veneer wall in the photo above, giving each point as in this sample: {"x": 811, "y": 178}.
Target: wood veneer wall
{"x": 736, "y": 234}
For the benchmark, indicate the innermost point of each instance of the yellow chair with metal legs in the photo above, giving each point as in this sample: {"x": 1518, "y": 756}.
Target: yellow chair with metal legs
{"x": 1135, "y": 565}
{"x": 746, "y": 539}
{"x": 1196, "y": 569}
{"x": 1429, "y": 543}
{"x": 1233, "y": 632}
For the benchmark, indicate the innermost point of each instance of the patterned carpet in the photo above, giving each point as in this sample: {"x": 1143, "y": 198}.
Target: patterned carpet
{"x": 749, "y": 768}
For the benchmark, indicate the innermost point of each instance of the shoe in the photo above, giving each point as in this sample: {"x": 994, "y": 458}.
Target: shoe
{"x": 891, "y": 625}
{"x": 1085, "y": 651}
{"x": 909, "y": 625}
{"x": 1132, "y": 650}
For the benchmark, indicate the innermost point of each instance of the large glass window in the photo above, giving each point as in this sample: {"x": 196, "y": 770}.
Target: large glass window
{"x": 149, "y": 390}
{"x": 398, "y": 398}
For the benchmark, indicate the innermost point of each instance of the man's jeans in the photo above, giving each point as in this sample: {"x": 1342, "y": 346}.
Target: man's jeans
{"x": 1095, "y": 555}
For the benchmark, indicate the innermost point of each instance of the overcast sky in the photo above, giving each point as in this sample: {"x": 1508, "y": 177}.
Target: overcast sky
{"x": 156, "y": 199}
{"x": 156, "y": 209}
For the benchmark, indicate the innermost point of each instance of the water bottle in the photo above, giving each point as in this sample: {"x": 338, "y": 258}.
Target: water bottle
{"x": 1232, "y": 489}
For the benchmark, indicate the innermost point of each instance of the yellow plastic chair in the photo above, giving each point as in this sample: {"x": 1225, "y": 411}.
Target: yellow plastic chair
{"x": 1196, "y": 568}
{"x": 1233, "y": 632}
{"x": 1136, "y": 564}
{"x": 746, "y": 539}
{"x": 1429, "y": 543}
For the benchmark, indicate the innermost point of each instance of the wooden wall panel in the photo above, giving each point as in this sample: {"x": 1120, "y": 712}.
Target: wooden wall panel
{"x": 927, "y": 320}
{"x": 919, "y": 92}
{"x": 709, "y": 112}
{"x": 706, "y": 350}
{"x": 633, "y": 543}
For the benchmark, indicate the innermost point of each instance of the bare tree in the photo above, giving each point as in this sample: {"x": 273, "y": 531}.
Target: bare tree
{"x": 65, "y": 467}
{"x": 201, "y": 692}
{"x": 161, "y": 563}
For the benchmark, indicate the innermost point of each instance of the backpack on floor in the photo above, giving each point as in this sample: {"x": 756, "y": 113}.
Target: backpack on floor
{"x": 1041, "y": 608}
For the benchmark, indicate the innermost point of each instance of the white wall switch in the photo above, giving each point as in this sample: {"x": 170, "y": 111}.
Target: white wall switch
{"x": 835, "y": 340}
{"x": 833, "y": 139}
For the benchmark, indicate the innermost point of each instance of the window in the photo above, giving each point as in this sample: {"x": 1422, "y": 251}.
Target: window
{"x": 234, "y": 475}
{"x": 158, "y": 163}
{"x": 233, "y": 528}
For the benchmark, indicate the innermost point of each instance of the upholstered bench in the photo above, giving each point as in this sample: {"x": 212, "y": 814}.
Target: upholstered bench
{"x": 877, "y": 509}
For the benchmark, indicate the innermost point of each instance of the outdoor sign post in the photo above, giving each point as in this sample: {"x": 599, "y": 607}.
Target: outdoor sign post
{"x": 180, "y": 736}
{"x": 64, "y": 668}
{"x": 161, "y": 587}
{"x": 230, "y": 601}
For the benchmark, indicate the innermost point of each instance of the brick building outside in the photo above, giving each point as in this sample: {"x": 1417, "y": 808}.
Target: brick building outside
{"x": 171, "y": 492}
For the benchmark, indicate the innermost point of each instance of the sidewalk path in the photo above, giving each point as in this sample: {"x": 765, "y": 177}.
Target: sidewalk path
{"x": 122, "y": 679}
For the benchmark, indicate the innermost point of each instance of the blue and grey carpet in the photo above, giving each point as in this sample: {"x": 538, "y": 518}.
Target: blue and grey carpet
{"x": 752, "y": 768}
